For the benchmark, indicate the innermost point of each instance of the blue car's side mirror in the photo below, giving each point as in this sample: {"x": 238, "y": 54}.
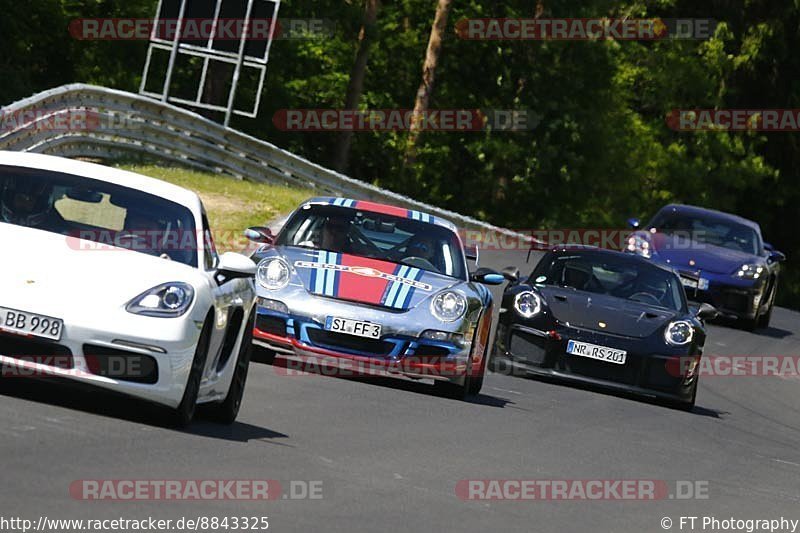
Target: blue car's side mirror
{"x": 634, "y": 223}
{"x": 773, "y": 255}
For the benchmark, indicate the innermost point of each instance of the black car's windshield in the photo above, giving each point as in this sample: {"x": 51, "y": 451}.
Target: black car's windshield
{"x": 398, "y": 240}
{"x": 601, "y": 273}
{"x": 709, "y": 230}
{"x": 93, "y": 210}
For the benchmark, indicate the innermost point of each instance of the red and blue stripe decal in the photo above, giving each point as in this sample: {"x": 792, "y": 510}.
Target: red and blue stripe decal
{"x": 398, "y": 294}
{"x": 383, "y": 209}
{"x": 324, "y": 280}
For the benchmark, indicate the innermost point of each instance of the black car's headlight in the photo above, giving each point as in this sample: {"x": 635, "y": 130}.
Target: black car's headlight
{"x": 679, "y": 333}
{"x": 750, "y": 271}
{"x": 528, "y": 304}
{"x": 273, "y": 273}
{"x": 449, "y": 306}
{"x": 169, "y": 300}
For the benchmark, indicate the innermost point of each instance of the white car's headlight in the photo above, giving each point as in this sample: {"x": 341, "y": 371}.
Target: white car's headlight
{"x": 528, "y": 304}
{"x": 169, "y": 300}
{"x": 750, "y": 271}
{"x": 449, "y": 306}
{"x": 640, "y": 246}
{"x": 273, "y": 273}
{"x": 679, "y": 333}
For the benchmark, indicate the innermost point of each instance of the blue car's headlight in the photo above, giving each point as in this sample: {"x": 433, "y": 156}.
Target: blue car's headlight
{"x": 169, "y": 300}
{"x": 640, "y": 246}
{"x": 750, "y": 271}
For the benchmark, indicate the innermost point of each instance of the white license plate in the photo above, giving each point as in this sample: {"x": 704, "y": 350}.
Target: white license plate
{"x": 25, "y": 323}
{"x": 702, "y": 284}
{"x": 358, "y": 328}
{"x": 601, "y": 353}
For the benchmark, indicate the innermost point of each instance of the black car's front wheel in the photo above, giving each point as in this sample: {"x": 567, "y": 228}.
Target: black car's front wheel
{"x": 687, "y": 405}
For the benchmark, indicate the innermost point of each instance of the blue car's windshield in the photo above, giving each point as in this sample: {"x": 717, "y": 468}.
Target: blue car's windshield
{"x": 709, "y": 230}
{"x": 388, "y": 238}
{"x": 613, "y": 276}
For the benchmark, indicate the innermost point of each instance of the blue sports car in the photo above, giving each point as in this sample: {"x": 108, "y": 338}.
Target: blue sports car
{"x": 721, "y": 258}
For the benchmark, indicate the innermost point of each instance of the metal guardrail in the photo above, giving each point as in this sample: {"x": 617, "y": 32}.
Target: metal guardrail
{"x": 119, "y": 123}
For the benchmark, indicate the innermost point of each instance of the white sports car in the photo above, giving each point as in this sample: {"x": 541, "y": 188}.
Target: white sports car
{"x": 112, "y": 279}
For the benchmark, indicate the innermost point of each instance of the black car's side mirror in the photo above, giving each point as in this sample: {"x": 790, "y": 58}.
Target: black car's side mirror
{"x": 706, "y": 312}
{"x": 511, "y": 274}
{"x": 487, "y": 276}
{"x": 260, "y": 234}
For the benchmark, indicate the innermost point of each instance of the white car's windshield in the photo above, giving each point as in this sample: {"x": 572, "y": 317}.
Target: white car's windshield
{"x": 395, "y": 239}
{"x": 93, "y": 210}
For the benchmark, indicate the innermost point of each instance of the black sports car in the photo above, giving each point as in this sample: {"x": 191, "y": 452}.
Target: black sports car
{"x": 603, "y": 318}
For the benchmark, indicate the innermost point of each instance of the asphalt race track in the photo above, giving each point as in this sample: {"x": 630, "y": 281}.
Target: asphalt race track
{"x": 390, "y": 453}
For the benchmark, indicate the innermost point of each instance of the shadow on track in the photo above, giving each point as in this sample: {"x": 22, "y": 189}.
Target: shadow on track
{"x": 599, "y": 389}
{"x": 397, "y": 383}
{"x": 87, "y": 399}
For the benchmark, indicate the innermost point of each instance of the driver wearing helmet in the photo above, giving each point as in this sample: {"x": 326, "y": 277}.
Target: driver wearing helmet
{"x": 27, "y": 202}
{"x": 424, "y": 248}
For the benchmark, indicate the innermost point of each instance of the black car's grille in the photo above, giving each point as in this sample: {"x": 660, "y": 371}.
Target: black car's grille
{"x": 36, "y": 350}
{"x": 626, "y": 374}
{"x": 121, "y": 364}
{"x": 271, "y": 324}
{"x": 350, "y": 343}
{"x": 529, "y": 348}
{"x": 660, "y": 376}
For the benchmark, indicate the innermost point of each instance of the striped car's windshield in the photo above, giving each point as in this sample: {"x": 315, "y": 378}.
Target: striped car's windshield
{"x": 376, "y": 236}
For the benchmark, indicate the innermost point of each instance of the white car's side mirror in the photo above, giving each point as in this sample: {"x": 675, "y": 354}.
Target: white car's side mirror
{"x": 233, "y": 265}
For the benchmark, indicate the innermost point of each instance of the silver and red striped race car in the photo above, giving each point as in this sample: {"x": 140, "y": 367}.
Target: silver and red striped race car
{"x": 385, "y": 288}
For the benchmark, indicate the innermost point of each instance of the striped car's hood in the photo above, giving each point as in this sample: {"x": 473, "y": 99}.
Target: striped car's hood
{"x": 363, "y": 280}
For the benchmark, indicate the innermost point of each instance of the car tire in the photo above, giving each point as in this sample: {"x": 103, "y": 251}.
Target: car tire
{"x": 751, "y": 324}
{"x": 226, "y": 411}
{"x": 688, "y": 405}
{"x": 455, "y": 391}
{"x": 476, "y": 383}
{"x": 182, "y": 415}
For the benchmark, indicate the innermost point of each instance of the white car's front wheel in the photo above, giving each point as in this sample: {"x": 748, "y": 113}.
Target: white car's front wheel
{"x": 226, "y": 411}
{"x": 182, "y": 415}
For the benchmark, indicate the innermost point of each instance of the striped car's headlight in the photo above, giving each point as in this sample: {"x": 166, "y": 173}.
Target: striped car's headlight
{"x": 273, "y": 273}
{"x": 449, "y": 306}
